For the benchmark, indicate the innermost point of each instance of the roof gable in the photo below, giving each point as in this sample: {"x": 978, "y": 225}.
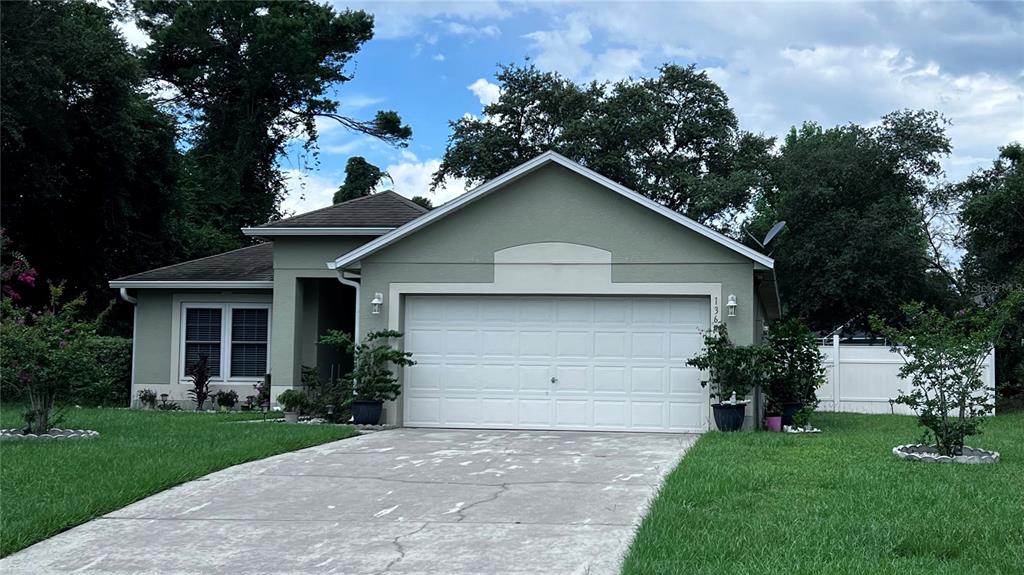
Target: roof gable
{"x": 544, "y": 159}
{"x": 369, "y": 215}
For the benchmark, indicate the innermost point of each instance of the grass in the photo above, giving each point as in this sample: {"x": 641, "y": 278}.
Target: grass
{"x": 836, "y": 503}
{"x": 46, "y": 488}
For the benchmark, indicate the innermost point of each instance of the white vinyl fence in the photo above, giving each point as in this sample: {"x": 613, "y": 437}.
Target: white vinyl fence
{"x": 863, "y": 378}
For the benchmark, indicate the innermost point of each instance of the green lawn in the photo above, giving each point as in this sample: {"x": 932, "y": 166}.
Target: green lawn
{"x": 837, "y": 502}
{"x": 46, "y": 488}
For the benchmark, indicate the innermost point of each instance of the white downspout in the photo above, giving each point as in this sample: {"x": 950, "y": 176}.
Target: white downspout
{"x": 135, "y": 323}
{"x": 353, "y": 284}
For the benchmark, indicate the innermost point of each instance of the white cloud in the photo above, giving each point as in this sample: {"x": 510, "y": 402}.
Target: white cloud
{"x": 487, "y": 92}
{"x": 460, "y": 29}
{"x": 564, "y": 49}
{"x": 412, "y": 178}
{"x": 438, "y": 57}
{"x": 403, "y": 19}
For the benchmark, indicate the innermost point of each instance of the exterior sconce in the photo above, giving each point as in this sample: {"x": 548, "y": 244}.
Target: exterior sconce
{"x": 731, "y": 305}
{"x": 376, "y": 303}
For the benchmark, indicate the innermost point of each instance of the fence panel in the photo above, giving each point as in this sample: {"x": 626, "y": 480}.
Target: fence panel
{"x": 862, "y": 379}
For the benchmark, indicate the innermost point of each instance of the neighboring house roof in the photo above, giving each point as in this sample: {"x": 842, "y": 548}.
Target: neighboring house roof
{"x": 375, "y": 214}
{"x": 544, "y": 159}
{"x": 246, "y": 268}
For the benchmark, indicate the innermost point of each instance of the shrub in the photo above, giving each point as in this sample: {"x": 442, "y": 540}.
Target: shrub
{"x": 292, "y": 400}
{"x": 732, "y": 369}
{"x": 147, "y": 398}
{"x": 102, "y": 375}
{"x": 794, "y": 368}
{"x": 331, "y": 400}
{"x": 200, "y": 374}
{"x": 372, "y": 378}
{"x": 943, "y": 362}
{"x": 226, "y": 399}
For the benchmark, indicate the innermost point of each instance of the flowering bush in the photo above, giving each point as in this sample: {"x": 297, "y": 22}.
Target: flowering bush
{"x": 16, "y": 275}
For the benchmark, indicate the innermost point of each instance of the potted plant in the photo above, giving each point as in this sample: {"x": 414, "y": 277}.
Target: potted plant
{"x": 292, "y": 400}
{"x": 732, "y": 372}
{"x": 147, "y": 399}
{"x": 226, "y": 400}
{"x": 372, "y": 380}
{"x": 772, "y": 414}
{"x": 794, "y": 370}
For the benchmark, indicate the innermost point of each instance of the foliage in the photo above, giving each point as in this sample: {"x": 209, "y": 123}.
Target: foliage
{"x": 851, "y": 198}
{"x": 16, "y": 275}
{"x": 226, "y": 398}
{"x": 731, "y": 368}
{"x": 89, "y": 163}
{"x": 329, "y": 399}
{"x": 199, "y": 373}
{"x": 673, "y": 138}
{"x": 293, "y": 399}
{"x": 372, "y": 378}
{"x": 165, "y": 405}
{"x": 262, "y": 390}
{"x": 147, "y": 398}
{"x": 992, "y": 216}
{"x": 944, "y": 358}
{"x": 793, "y": 367}
{"x": 361, "y": 179}
{"x": 41, "y": 352}
{"x": 52, "y": 487}
{"x": 247, "y": 78}
{"x": 423, "y": 201}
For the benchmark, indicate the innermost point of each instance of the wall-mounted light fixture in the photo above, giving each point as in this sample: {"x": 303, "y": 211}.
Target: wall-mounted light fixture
{"x": 731, "y": 305}
{"x": 376, "y": 303}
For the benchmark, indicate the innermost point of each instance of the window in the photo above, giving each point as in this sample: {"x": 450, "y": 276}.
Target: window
{"x": 234, "y": 338}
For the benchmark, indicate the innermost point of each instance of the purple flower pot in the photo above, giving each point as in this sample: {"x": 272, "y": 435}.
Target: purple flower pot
{"x": 773, "y": 423}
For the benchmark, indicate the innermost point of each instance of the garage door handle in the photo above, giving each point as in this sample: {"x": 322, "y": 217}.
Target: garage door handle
{"x": 554, "y": 380}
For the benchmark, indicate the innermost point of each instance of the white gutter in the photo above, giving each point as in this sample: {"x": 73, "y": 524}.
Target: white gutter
{"x": 354, "y": 284}
{"x": 271, "y": 232}
{"x": 135, "y": 324}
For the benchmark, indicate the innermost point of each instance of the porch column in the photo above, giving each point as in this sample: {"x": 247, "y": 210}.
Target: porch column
{"x": 284, "y": 358}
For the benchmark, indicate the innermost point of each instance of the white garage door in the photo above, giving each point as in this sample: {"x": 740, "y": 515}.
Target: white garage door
{"x": 511, "y": 362}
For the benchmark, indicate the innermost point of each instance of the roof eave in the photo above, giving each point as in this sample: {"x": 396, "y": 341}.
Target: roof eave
{"x": 188, "y": 284}
{"x": 300, "y": 231}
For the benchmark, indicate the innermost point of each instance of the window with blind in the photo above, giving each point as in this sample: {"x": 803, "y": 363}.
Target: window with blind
{"x": 234, "y": 337}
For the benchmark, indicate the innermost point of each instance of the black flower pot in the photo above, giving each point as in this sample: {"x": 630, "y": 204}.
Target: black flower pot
{"x": 366, "y": 412}
{"x": 729, "y": 417}
{"x": 789, "y": 409}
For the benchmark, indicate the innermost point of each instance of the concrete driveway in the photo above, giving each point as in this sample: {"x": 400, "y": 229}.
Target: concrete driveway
{"x": 402, "y": 501}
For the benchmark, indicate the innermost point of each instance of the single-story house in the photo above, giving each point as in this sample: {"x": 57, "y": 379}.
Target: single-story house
{"x": 547, "y": 298}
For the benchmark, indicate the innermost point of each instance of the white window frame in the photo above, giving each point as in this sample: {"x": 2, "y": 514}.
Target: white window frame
{"x": 227, "y": 310}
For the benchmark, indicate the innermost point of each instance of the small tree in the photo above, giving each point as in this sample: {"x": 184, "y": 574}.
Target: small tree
{"x": 943, "y": 359}
{"x": 200, "y": 374}
{"x": 372, "y": 378}
{"x": 731, "y": 368}
{"x": 39, "y": 350}
{"x": 793, "y": 366}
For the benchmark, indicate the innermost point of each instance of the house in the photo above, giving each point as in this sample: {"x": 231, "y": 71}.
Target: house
{"x": 547, "y": 298}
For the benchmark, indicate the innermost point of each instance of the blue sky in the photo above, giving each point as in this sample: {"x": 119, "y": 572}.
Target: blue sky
{"x": 780, "y": 64}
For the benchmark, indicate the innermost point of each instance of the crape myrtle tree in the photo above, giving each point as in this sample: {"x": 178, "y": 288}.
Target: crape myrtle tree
{"x": 245, "y": 78}
{"x": 857, "y": 237}
{"x": 672, "y": 137}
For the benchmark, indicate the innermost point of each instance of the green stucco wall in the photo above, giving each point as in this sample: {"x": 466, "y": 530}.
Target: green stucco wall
{"x": 554, "y": 204}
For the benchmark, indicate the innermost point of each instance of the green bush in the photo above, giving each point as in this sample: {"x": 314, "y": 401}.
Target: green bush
{"x": 103, "y": 375}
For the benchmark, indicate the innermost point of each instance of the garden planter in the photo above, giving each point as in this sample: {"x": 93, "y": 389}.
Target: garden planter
{"x": 366, "y": 412}
{"x": 729, "y": 417}
{"x": 773, "y": 423}
{"x": 291, "y": 417}
{"x": 929, "y": 454}
{"x": 789, "y": 409}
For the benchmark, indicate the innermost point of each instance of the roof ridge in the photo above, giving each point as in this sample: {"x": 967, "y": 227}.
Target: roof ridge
{"x": 168, "y": 266}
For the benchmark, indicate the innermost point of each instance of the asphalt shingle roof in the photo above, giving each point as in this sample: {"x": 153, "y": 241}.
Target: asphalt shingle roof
{"x": 253, "y": 263}
{"x": 381, "y": 210}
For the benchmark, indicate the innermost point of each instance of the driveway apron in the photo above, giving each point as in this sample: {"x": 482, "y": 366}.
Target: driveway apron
{"x": 405, "y": 501}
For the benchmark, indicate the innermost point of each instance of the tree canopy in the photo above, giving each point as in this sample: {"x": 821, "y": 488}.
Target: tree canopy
{"x": 673, "y": 137}
{"x": 361, "y": 179}
{"x": 854, "y": 242}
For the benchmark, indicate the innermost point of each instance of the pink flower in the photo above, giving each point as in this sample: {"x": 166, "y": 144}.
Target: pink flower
{"x": 63, "y": 343}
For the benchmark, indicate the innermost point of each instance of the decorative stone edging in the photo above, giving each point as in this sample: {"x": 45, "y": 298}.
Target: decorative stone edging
{"x": 929, "y": 454}
{"x": 795, "y": 429}
{"x": 16, "y": 434}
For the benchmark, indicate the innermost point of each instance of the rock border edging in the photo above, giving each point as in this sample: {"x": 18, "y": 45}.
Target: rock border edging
{"x": 929, "y": 454}
{"x": 55, "y": 434}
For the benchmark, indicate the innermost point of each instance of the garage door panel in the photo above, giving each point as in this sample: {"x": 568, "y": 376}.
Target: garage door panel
{"x": 618, "y": 362}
